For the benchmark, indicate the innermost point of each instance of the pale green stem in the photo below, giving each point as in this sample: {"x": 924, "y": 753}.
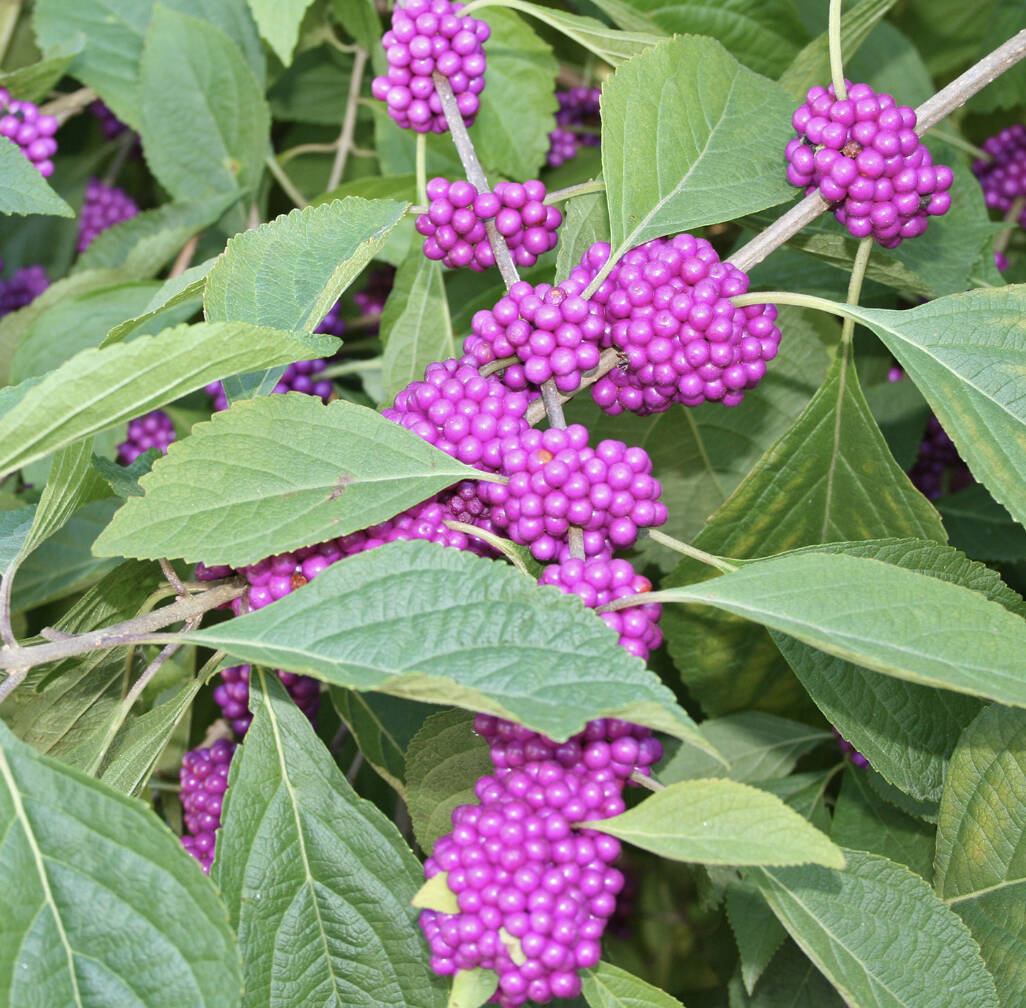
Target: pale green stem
{"x": 647, "y": 782}
{"x": 961, "y": 144}
{"x": 791, "y": 298}
{"x": 345, "y": 138}
{"x": 694, "y": 552}
{"x": 858, "y": 274}
{"x": 286, "y": 183}
{"x": 1012, "y": 219}
{"x": 421, "y": 166}
{"x": 583, "y": 189}
{"x": 836, "y": 60}
{"x": 353, "y": 367}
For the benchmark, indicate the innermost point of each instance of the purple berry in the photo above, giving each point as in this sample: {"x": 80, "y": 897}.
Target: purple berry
{"x": 850, "y": 751}
{"x": 303, "y": 376}
{"x": 577, "y": 107}
{"x": 22, "y": 289}
{"x": 104, "y": 207}
{"x": 21, "y": 123}
{"x": 204, "y": 780}
{"x": 112, "y": 126}
{"x": 864, "y": 157}
{"x": 427, "y": 37}
{"x": 371, "y": 300}
{"x": 154, "y": 430}
{"x": 333, "y": 324}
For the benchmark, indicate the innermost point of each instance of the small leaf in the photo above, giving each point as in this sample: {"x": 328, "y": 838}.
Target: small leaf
{"x": 606, "y": 986}
{"x": 97, "y": 389}
{"x": 236, "y": 490}
{"x": 124, "y": 479}
{"x": 879, "y": 934}
{"x": 702, "y": 174}
{"x": 194, "y": 82}
{"x": 757, "y": 931}
{"x": 435, "y": 894}
{"x": 791, "y": 980}
{"x": 23, "y": 190}
{"x": 35, "y": 81}
{"x": 317, "y": 881}
{"x": 472, "y": 988}
{"x": 585, "y": 221}
{"x": 81, "y": 865}
{"x": 980, "y": 869}
{"x": 977, "y": 524}
{"x": 443, "y": 763}
{"x": 415, "y": 325}
{"x": 436, "y": 624}
{"x": 721, "y": 822}
{"x": 279, "y": 24}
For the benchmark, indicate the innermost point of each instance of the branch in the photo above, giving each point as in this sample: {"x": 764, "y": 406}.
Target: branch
{"x": 345, "y": 138}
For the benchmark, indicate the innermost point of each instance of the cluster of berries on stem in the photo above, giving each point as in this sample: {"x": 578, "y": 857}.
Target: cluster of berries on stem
{"x": 104, "y": 206}
{"x": 24, "y": 286}
{"x": 204, "y": 780}
{"x": 154, "y": 430}
{"x": 578, "y": 107}
{"x": 22, "y": 123}
{"x": 1003, "y": 174}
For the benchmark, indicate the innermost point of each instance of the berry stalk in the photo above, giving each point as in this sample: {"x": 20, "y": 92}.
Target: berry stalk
{"x": 834, "y": 39}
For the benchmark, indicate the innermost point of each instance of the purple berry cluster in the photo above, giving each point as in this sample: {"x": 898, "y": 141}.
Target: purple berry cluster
{"x": 22, "y": 289}
{"x": 864, "y": 157}
{"x": 535, "y": 890}
{"x": 111, "y": 125}
{"x": 556, "y": 481}
{"x": 577, "y": 107}
{"x": 371, "y": 299}
{"x": 232, "y": 695}
{"x": 154, "y": 430}
{"x": 454, "y": 224}
{"x": 938, "y": 468}
{"x": 204, "y": 780}
{"x": 680, "y": 337}
{"x": 428, "y": 37}
{"x": 1003, "y": 174}
{"x": 333, "y": 324}
{"x": 104, "y": 207}
{"x": 600, "y": 581}
{"x": 302, "y": 376}
{"x": 21, "y": 122}
{"x": 850, "y": 751}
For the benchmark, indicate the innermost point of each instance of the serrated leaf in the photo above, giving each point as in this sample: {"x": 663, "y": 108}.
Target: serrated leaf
{"x": 317, "y": 881}
{"x": 237, "y": 490}
{"x": 81, "y": 864}
{"x": 415, "y": 325}
{"x": 721, "y": 822}
{"x": 436, "y": 624}
{"x": 472, "y": 988}
{"x": 700, "y": 108}
{"x": 607, "y": 986}
{"x": 124, "y": 479}
{"x": 809, "y": 487}
{"x": 512, "y": 137}
{"x": 979, "y": 525}
{"x": 979, "y": 862}
{"x": 791, "y": 981}
{"x": 963, "y": 352}
{"x": 97, "y": 389}
{"x": 880, "y": 934}
{"x": 757, "y": 931}
{"x": 23, "y": 190}
{"x": 383, "y": 726}
{"x": 114, "y": 30}
{"x": 145, "y": 243}
{"x": 812, "y": 64}
{"x": 907, "y": 731}
{"x": 881, "y": 616}
{"x": 195, "y": 83}
{"x": 444, "y": 761}
{"x": 435, "y": 894}
{"x": 279, "y": 24}
{"x": 758, "y": 746}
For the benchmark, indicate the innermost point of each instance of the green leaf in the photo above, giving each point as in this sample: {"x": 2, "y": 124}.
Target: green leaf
{"x": 114, "y": 30}
{"x": 906, "y": 731}
{"x": 721, "y": 822}
{"x": 436, "y": 624}
{"x": 176, "y": 294}
{"x": 81, "y": 927}
{"x": 35, "y": 81}
{"x": 981, "y": 872}
{"x": 1005, "y": 20}
{"x": 791, "y": 980}
{"x": 195, "y": 83}
{"x": 757, "y": 931}
{"x": 383, "y": 726}
{"x": 883, "y": 617}
{"x": 812, "y": 65}
{"x": 289, "y": 272}
{"x": 879, "y": 934}
{"x": 314, "y": 89}
{"x": 472, "y": 988}
{"x": 585, "y": 221}
{"x": 813, "y": 485}
{"x": 15, "y": 526}
{"x": 97, "y": 389}
{"x": 443, "y": 763}
{"x": 606, "y": 986}
{"x": 279, "y": 24}
{"x": 979, "y": 525}
{"x": 124, "y": 479}
{"x": 890, "y": 62}
{"x": 765, "y": 35}
{"x": 237, "y": 490}
{"x": 865, "y": 821}
{"x": 144, "y": 244}
{"x": 757, "y": 745}
{"x": 677, "y": 151}
{"x": 435, "y": 894}
{"x": 512, "y": 137}
{"x": 23, "y": 190}
{"x": 962, "y": 352}
{"x": 415, "y": 325}
{"x": 317, "y": 881}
